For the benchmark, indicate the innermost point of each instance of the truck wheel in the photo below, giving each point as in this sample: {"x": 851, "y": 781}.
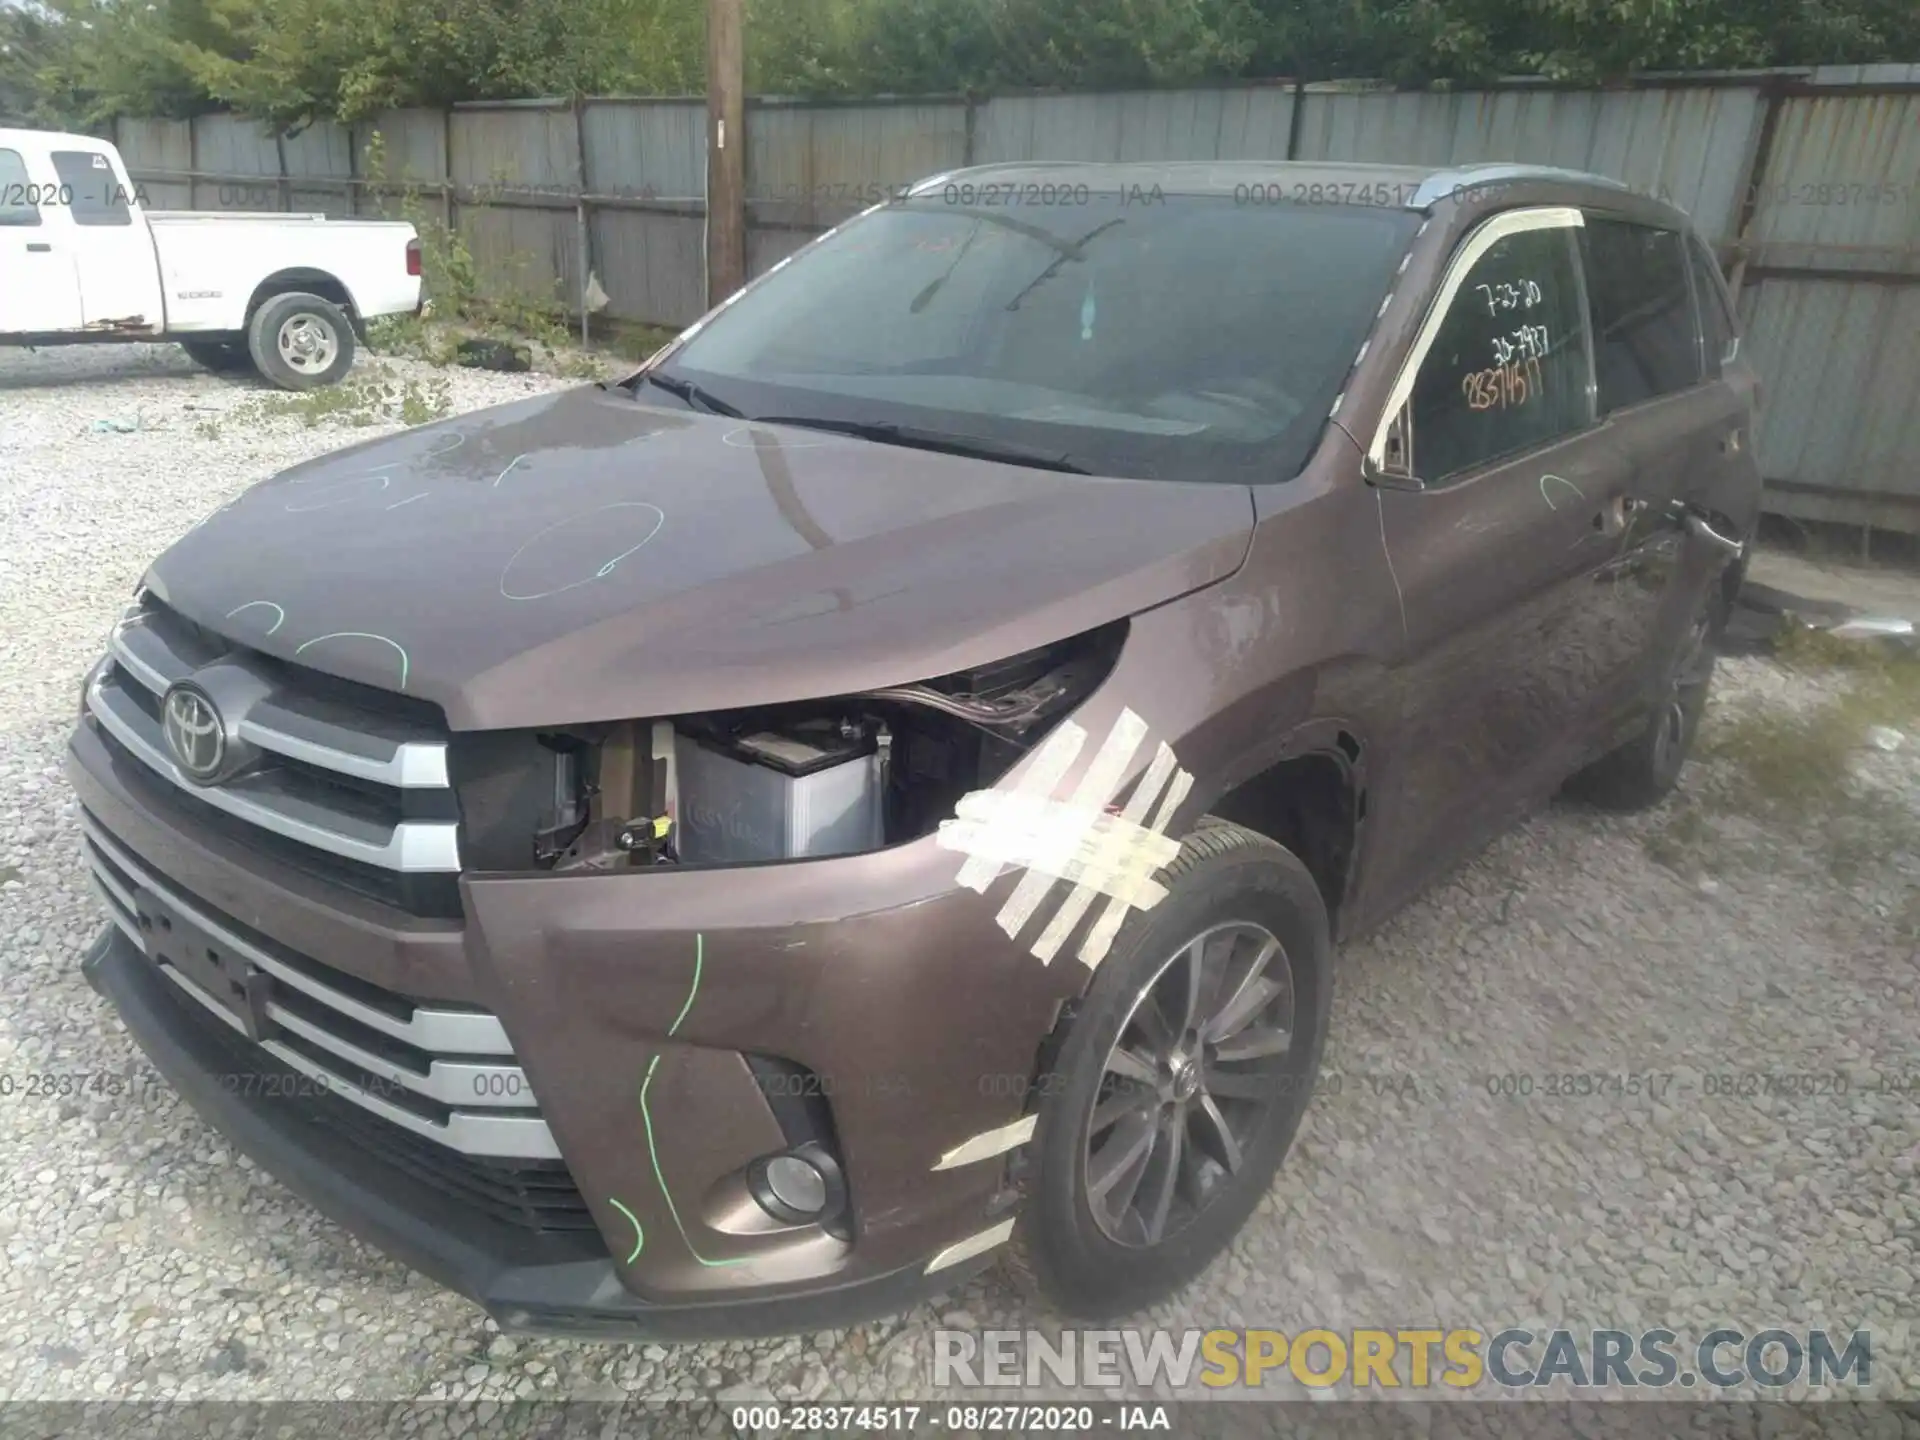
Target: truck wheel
{"x": 1643, "y": 772}
{"x": 223, "y": 357}
{"x": 1178, "y": 1089}
{"x": 300, "y": 341}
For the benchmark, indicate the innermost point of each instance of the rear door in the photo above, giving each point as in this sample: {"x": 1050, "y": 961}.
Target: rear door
{"x": 1653, "y": 388}
{"x": 39, "y": 292}
{"x": 119, "y": 278}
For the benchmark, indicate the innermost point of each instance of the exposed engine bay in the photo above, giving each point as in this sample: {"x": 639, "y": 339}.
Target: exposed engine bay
{"x": 832, "y": 776}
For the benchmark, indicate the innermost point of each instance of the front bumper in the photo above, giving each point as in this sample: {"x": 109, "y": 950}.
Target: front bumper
{"x": 528, "y": 1284}
{"x": 915, "y": 1016}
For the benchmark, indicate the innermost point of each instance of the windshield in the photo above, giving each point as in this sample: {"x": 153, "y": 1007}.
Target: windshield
{"x": 1177, "y": 338}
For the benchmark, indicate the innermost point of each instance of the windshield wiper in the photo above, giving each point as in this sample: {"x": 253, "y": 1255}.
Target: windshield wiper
{"x": 686, "y": 390}
{"x": 887, "y": 432}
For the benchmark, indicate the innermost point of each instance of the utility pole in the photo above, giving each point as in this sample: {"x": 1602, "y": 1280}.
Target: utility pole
{"x": 726, "y": 151}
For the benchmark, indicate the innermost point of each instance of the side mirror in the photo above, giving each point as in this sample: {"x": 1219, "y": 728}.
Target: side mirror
{"x": 1394, "y": 469}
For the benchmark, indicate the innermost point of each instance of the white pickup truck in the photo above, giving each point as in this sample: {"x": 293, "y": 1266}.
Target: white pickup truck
{"x": 82, "y": 259}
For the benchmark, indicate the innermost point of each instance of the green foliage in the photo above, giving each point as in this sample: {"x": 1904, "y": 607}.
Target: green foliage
{"x": 85, "y": 61}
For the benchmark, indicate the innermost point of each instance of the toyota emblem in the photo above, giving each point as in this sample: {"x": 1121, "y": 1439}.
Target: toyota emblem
{"x": 195, "y": 733}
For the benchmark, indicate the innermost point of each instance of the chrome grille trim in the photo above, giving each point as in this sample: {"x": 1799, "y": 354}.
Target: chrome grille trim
{"x": 401, "y": 760}
{"x": 502, "y": 1127}
{"x": 459, "y": 1082}
{"x": 446, "y": 1032}
{"x": 422, "y": 846}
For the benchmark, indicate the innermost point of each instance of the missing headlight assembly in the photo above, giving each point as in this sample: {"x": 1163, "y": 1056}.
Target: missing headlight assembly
{"x": 832, "y": 776}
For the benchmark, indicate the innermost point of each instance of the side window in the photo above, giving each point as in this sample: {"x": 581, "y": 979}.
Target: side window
{"x": 17, "y": 192}
{"x": 1507, "y": 370}
{"x": 1644, "y": 340}
{"x": 1717, "y": 327}
{"x": 97, "y": 197}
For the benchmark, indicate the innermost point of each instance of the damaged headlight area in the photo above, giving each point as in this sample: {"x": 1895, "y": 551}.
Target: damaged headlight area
{"x": 833, "y": 776}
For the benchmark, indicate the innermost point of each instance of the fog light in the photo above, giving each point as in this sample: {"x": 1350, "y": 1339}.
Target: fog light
{"x": 802, "y": 1186}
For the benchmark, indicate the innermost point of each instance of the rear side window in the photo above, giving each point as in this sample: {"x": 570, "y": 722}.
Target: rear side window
{"x": 18, "y": 202}
{"x": 1645, "y": 343}
{"x": 1717, "y": 327}
{"x": 1507, "y": 370}
{"x": 97, "y": 197}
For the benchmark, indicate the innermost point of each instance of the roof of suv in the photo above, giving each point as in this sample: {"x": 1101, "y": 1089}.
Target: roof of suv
{"x": 1415, "y": 187}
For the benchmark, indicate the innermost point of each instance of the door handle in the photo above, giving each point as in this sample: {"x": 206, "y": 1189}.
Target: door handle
{"x": 39, "y": 247}
{"x": 1698, "y": 527}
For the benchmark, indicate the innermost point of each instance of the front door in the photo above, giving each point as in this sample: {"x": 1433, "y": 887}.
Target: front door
{"x": 119, "y": 277}
{"x": 1507, "y": 556}
{"x": 39, "y": 290}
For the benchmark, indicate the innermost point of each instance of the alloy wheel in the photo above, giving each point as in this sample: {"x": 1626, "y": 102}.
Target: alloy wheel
{"x": 1203, "y": 1054}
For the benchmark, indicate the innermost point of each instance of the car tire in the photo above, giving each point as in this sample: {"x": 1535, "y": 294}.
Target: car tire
{"x": 1644, "y": 771}
{"x": 301, "y": 341}
{"x": 1232, "y": 895}
{"x": 223, "y": 357}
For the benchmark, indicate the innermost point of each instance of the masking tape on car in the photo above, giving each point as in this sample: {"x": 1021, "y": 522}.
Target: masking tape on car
{"x": 1093, "y": 792}
{"x": 1076, "y": 904}
{"x": 1076, "y": 841}
{"x": 974, "y": 1245}
{"x": 1050, "y": 763}
{"x": 1094, "y": 948}
{"x": 988, "y": 1144}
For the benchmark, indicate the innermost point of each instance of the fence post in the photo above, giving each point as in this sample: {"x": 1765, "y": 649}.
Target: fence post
{"x": 1752, "y": 177}
{"x": 584, "y": 257}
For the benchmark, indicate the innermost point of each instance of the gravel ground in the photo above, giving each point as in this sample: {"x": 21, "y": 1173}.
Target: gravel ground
{"x": 140, "y": 1258}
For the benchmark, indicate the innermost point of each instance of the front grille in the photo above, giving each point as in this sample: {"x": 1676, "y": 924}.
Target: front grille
{"x": 349, "y": 784}
{"x": 439, "y": 1075}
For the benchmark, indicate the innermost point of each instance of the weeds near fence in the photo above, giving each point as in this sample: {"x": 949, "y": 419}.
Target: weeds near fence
{"x": 452, "y": 281}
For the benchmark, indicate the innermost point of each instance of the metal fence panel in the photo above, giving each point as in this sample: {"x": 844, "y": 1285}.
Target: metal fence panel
{"x": 245, "y": 153}
{"x": 1688, "y": 145}
{"x": 813, "y": 165}
{"x": 164, "y": 146}
{"x": 638, "y": 148}
{"x": 651, "y": 264}
{"x": 1240, "y": 123}
{"x": 525, "y": 238}
{"x": 1840, "y": 428}
{"x": 321, "y": 152}
{"x": 412, "y": 151}
{"x": 1842, "y": 186}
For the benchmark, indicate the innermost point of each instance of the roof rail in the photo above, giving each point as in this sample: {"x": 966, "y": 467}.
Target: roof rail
{"x": 1442, "y": 183}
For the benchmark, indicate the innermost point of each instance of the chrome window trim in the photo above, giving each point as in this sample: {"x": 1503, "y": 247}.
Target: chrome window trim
{"x": 1483, "y": 238}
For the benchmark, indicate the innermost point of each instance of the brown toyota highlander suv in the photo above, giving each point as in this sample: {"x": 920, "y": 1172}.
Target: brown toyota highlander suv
{"x": 740, "y": 850}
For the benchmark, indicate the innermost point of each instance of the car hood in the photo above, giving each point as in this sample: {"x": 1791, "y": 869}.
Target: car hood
{"x": 579, "y": 556}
